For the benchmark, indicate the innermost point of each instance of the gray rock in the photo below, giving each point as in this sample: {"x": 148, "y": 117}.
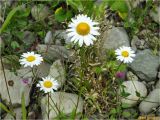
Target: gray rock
{"x": 150, "y": 102}
{"x": 57, "y": 71}
{"x": 43, "y": 70}
{"x": 48, "y": 38}
{"x": 137, "y": 43}
{"x": 131, "y": 76}
{"x": 39, "y": 12}
{"x": 17, "y": 111}
{"x": 16, "y": 85}
{"x": 54, "y": 52}
{"x": 115, "y": 38}
{"x": 155, "y": 14}
{"x": 158, "y": 84}
{"x": 66, "y": 102}
{"x": 145, "y": 65}
{"x": 131, "y": 87}
{"x": 133, "y": 42}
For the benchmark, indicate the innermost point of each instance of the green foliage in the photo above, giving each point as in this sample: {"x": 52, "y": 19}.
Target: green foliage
{"x": 24, "y": 111}
{"x": 120, "y": 6}
{"x": 61, "y": 15}
{"x": 9, "y": 17}
{"x": 2, "y": 106}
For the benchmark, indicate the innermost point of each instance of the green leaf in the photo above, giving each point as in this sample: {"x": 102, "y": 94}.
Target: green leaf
{"x": 60, "y": 15}
{"x": 113, "y": 111}
{"x": 77, "y": 4}
{"x": 125, "y": 94}
{"x": 126, "y": 114}
{"x": 138, "y": 94}
{"x": 9, "y": 17}
{"x": 15, "y": 44}
{"x": 125, "y": 105}
{"x": 24, "y": 112}
{"x": 2, "y": 106}
{"x": 120, "y": 5}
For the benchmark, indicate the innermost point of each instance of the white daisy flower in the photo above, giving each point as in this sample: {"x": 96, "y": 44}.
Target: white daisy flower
{"x": 30, "y": 59}
{"x": 125, "y": 54}
{"x": 48, "y": 84}
{"x": 82, "y": 30}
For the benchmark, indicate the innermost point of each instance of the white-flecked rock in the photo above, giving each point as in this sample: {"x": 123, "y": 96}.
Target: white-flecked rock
{"x": 115, "y": 38}
{"x": 57, "y": 71}
{"x": 131, "y": 87}
{"x": 16, "y": 85}
{"x": 66, "y": 102}
{"x": 150, "y": 102}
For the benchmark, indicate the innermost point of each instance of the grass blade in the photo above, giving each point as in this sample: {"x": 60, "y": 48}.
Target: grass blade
{"x": 2, "y": 106}
{"x": 8, "y": 19}
{"x": 24, "y": 112}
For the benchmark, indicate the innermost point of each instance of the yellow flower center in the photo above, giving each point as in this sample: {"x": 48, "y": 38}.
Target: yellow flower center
{"x": 47, "y": 84}
{"x": 30, "y": 58}
{"x": 125, "y": 54}
{"x": 83, "y": 28}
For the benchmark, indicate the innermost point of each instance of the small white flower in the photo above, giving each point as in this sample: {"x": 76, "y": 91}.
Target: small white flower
{"x": 82, "y": 30}
{"x": 48, "y": 84}
{"x": 30, "y": 59}
{"x": 125, "y": 54}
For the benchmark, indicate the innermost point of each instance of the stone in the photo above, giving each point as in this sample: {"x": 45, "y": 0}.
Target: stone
{"x": 150, "y": 102}
{"x": 155, "y": 14}
{"x": 39, "y": 12}
{"x": 158, "y": 84}
{"x": 66, "y": 103}
{"x": 57, "y": 71}
{"x": 16, "y": 86}
{"x": 54, "y": 52}
{"x": 131, "y": 76}
{"x": 17, "y": 111}
{"x": 131, "y": 87}
{"x": 48, "y": 38}
{"x": 115, "y": 38}
{"x": 43, "y": 69}
{"x": 133, "y": 42}
{"x": 137, "y": 43}
{"x": 145, "y": 65}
